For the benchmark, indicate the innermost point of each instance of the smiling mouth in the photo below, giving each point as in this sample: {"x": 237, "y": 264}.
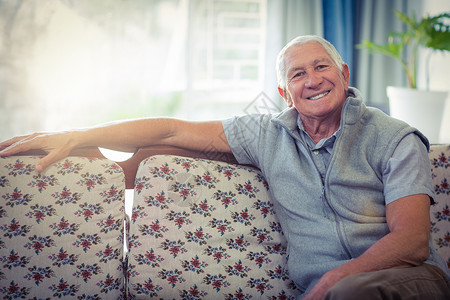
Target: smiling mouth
{"x": 319, "y": 96}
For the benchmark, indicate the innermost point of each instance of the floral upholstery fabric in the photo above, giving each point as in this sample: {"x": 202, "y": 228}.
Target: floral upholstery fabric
{"x": 440, "y": 211}
{"x": 204, "y": 230}
{"x": 61, "y": 232}
{"x": 199, "y": 230}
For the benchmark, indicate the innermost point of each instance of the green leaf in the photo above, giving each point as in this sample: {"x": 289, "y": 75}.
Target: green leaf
{"x": 392, "y": 49}
{"x": 429, "y": 32}
{"x": 411, "y": 22}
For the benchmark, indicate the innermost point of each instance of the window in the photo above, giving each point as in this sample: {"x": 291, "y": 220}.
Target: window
{"x": 72, "y": 64}
{"x": 226, "y": 42}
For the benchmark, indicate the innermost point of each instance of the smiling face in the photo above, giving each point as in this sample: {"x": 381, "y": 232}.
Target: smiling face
{"x": 315, "y": 85}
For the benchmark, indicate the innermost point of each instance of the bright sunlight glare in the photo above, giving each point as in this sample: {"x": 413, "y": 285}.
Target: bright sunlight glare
{"x": 65, "y": 72}
{"x": 116, "y": 156}
{"x": 78, "y": 68}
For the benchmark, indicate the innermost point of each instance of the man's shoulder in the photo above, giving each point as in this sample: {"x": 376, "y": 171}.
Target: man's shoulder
{"x": 383, "y": 122}
{"x": 384, "y": 130}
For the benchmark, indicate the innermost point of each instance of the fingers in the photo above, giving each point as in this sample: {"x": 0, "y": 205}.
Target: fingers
{"x": 48, "y": 160}
{"x": 12, "y": 140}
{"x": 15, "y": 145}
{"x": 7, "y": 143}
{"x": 35, "y": 141}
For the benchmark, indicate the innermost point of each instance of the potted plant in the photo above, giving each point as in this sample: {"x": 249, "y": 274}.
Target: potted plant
{"x": 430, "y": 32}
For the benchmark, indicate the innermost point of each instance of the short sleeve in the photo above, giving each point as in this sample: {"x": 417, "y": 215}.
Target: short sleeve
{"x": 408, "y": 170}
{"x": 243, "y": 136}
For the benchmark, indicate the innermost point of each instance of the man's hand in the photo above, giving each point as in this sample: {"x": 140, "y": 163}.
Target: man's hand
{"x": 324, "y": 284}
{"x": 57, "y": 145}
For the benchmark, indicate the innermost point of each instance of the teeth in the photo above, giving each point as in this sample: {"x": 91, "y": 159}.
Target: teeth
{"x": 318, "y": 96}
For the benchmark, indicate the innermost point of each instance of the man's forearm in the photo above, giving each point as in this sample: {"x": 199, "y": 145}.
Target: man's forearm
{"x": 126, "y": 135}
{"x": 395, "y": 250}
{"x": 392, "y": 251}
{"x": 123, "y": 136}
{"x": 129, "y": 135}
{"x": 406, "y": 245}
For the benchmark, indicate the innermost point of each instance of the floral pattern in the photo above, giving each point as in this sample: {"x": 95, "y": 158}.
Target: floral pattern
{"x": 199, "y": 229}
{"x": 233, "y": 236}
{"x": 440, "y": 211}
{"x": 61, "y": 231}
{"x": 209, "y": 229}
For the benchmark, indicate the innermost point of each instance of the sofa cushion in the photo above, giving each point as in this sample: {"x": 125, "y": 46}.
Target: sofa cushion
{"x": 204, "y": 229}
{"x": 61, "y": 232}
{"x": 440, "y": 211}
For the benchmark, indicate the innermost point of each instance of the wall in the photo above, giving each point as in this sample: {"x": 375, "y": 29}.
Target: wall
{"x": 439, "y": 67}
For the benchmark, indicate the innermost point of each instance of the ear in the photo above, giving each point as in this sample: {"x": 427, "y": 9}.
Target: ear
{"x": 285, "y": 96}
{"x": 346, "y": 74}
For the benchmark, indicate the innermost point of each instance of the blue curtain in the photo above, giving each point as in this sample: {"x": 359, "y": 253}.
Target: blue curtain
{"x": 348, "y": 22}
{"x": 345, "y": 23}
{"x": 338, "y": 27}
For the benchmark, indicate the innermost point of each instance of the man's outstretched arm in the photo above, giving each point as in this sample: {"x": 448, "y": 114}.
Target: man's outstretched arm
{"x": 122, "y": 136}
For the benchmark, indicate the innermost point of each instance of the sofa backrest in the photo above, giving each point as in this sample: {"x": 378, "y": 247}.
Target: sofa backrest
{"x": 204, "y": 230}
{"x": 439, "y": 156}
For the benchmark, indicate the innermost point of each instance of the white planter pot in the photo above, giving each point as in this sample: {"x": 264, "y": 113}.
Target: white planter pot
{"x": 420, "y": 109}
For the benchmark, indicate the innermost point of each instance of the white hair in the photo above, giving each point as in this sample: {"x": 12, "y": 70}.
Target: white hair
{"x": 301, "y": 40}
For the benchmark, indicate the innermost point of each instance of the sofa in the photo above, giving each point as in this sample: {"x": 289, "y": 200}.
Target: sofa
{"x": 197, "y": 226}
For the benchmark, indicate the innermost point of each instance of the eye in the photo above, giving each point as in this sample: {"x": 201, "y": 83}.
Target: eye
{"x": 321, "y": 67}
{"x": 299, "y": 74}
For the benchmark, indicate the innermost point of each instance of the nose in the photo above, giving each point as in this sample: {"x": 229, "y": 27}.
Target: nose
{"x": 313, "y": 79}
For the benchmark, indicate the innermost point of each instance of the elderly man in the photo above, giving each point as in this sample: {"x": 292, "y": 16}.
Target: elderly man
{"x": 352, "y": 186}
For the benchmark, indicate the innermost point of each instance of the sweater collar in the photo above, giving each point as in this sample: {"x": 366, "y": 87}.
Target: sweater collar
{"x": 353, "y": 107}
